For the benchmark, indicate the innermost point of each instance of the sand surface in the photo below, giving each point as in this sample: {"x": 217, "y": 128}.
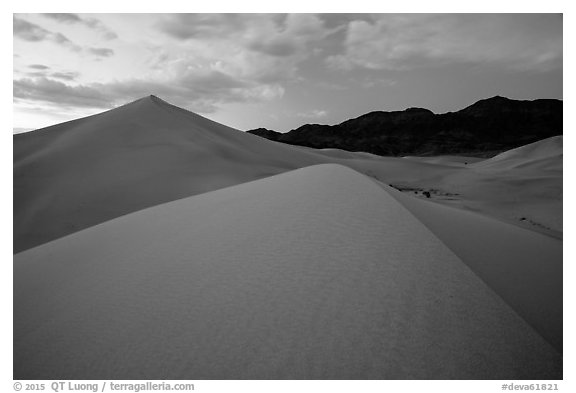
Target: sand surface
{"x": 154, "y": 243}
{"x": 81, "y": 173}
{"x": 523, "y": 267}
{"x": 315, "y": 273}
{"x": 78, "y": 174}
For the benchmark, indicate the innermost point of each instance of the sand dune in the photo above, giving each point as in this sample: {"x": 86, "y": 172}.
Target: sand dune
{"x": 447, "y": 160}
{"x": 81, "y": 173}
{"x": 521, "y": 266}
{"x": 535, "y": 153}
{"x": 523, "y": 184}
{"x": 315, "y": 273}
{"x": 320, "y": 272}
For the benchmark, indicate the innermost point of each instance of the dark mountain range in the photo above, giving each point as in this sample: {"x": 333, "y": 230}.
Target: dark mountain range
{"x": 266, "y": 133}
{"x": 485, "y": 128}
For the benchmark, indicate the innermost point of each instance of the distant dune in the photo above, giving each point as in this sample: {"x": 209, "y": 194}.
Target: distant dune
{"x": 545, "y": 155}
{"x": 316, "y": 273}
{"x": 154, "y": 243}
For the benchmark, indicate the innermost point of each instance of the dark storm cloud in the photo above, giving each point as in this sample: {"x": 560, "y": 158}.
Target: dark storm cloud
{"x": 91, "y": 23}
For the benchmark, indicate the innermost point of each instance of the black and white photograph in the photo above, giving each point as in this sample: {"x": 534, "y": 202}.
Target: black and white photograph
{"x": 288, "y": 196}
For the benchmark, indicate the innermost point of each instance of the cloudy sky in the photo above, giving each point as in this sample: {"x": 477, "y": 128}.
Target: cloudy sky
{"x": 279, "y": 71}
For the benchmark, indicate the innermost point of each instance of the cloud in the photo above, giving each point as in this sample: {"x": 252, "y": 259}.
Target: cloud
{"x": 42, "y": 70}
{"x": 295, "y": 34}
{"x": 91, "y": 23}
{"x": 61, "y": 39}
{"x": 405, "y": 41}
{"x": 370, "y": 82}
{"x": 101, "y": 52}
{"x": 263, "y": 48}
{"x": 38, "y": 66}
{"x": 31, "y": 32}
{"x": 200, "y": 90}
{"x": 36, "y": 73}
{"x": 272, "y": 34}
{"x": 324, "y": 85}
{"x": 276, "y": 46}
{"x": 48, "y": 90}
{"x": 313, "y": 114}
{"x": 66, "y": 18}
{"x": 199, "y": 74}
{"x": 68, "y": 76}
{"x": 195, "y": 26}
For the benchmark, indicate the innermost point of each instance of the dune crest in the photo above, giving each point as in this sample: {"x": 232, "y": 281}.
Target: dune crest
{"x": 315, "y": 273}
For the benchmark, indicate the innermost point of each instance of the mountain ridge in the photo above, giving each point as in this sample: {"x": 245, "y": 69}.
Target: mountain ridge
{"x": 484, "y": 128}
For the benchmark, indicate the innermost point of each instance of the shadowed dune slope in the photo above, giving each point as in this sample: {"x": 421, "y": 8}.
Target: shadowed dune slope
{"x": 315, "y": 273}
{"x": 522, "y": 266}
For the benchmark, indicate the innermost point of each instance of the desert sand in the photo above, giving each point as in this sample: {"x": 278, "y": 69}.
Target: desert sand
{"x": 316, "y": 273}
{"x": 154, "y": 243}
{"x": 77, "y": 174}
